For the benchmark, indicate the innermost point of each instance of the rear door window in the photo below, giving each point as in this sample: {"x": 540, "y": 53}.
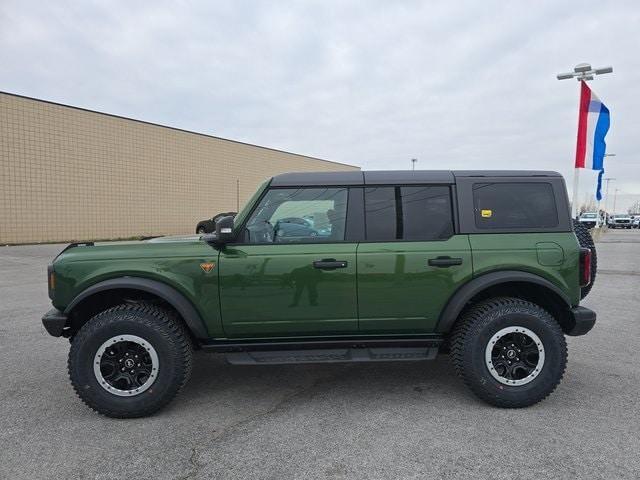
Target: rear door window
{"x": 415, "y": 213}
{"x": 514, "y": 205}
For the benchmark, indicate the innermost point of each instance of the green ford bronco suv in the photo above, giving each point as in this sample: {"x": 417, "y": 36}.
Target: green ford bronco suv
{"x": 485, "y": 266}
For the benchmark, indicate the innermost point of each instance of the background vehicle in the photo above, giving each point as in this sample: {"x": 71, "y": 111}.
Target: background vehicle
{"x": 292, "y": 227}
{"x": 636, "y": 221}
{"x": 484, "y": 265}
{"x": 620, "y": 220}
{"x": 589, "y": 219}
{"x": 209, "y": 225}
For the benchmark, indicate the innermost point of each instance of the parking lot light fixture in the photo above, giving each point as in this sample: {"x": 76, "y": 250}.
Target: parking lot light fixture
{"x": 584, "y": 71}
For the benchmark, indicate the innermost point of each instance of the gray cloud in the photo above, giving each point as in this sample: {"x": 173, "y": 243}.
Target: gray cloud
{"x": 456, "y": 84}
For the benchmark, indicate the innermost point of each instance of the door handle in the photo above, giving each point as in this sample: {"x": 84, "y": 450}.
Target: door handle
{"x": 329, "y": 264}
{"x": 444, "y": 262}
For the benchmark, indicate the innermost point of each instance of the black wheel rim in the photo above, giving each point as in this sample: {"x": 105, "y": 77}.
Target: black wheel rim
{"x": 126, "y": 365}
{"x": 515, "y": 356}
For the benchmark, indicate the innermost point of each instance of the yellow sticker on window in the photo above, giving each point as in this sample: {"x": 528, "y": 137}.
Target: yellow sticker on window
{"x": 486, "y": 213}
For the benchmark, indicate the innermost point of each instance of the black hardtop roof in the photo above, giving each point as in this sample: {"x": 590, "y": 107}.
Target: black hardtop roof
{"x": 392, "y": 177}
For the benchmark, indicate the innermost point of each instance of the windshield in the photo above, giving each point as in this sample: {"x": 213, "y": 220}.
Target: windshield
{"x": 588, "y": 215}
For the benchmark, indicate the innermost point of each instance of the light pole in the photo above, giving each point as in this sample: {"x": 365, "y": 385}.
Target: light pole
{"x": 606, "y": 196}
{"x": 413, "y": 163}
{"x": 581, "y": 72}
{"x": 607, "y": 189}
{"x": 615, "y": 196}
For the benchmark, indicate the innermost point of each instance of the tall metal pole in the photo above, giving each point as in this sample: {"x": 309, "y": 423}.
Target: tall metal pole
{"x": 606, "y": 199}
{"x": 615, "y": 196}
{"x": 574, "y": 200}
{"x": 237, "y": 194}
{"x": 606, "y": 195}
{"x": 413, "y": 163}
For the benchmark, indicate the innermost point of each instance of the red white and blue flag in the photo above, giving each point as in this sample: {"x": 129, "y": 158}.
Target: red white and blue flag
{"x": 593, "y": 125}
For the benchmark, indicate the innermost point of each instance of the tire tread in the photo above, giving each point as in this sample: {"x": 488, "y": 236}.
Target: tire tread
{"x": 478, "y": 316}
{"x": 163, "y": 321}
{"x": 586, "y": 241}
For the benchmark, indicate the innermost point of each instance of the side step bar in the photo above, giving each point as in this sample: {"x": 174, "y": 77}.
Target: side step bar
{"x": 332, "y": 355}
{"x": 309, "y": 343}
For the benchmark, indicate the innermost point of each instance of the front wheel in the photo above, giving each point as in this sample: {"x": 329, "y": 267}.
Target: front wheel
{"x": 130, "y": 360}
{"x": 509, "y": 352}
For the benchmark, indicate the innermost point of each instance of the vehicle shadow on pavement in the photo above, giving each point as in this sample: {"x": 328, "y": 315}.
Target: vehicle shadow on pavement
{"x": 213, "y": 377}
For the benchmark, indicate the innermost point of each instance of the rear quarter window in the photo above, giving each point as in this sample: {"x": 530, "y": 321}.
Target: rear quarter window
{"x": 519, "y": 205}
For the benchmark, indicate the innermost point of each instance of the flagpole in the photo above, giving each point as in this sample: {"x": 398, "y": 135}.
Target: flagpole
{"x": 583, "y": 73}
{"x": 574, "y": 201}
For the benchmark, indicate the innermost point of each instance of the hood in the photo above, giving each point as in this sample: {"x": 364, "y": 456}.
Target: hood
{"x": 169, "y": 246}
{"x": 174, "y": 238}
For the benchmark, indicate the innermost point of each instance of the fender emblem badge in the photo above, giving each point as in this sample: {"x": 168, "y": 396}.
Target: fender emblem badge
{"x": 207, "y": 266}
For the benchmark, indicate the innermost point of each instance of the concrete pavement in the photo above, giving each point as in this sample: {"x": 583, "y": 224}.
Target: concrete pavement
{"x": 360, "y": 421}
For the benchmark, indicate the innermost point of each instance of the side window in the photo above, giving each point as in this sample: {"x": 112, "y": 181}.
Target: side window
{"x": 514, "y": 205}
{"x": 299, "y": 215}
{"x": 408, "y": 213}
{"x": 380, "y": 213}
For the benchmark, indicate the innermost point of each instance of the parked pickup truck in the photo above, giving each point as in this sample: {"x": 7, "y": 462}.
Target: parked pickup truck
{"x": 620, "y": 221}
{"x": 588, "y": 219}
{"x": 485, "y": 266}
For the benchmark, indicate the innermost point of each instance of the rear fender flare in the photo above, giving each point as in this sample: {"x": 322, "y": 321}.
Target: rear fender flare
{"x": 461, "y": 297}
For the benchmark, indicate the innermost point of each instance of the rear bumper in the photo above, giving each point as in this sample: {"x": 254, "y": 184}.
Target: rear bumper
{"x": 584, "y": 320}
{"x": 54, "y": 322}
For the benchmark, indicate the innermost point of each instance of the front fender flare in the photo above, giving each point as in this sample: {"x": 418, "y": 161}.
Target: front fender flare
{"x": 169, "y": 294}
{"x": 461, "y": 297}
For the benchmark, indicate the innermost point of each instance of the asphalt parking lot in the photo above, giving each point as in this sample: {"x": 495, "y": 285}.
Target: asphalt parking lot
{"x": 413, "y": 420}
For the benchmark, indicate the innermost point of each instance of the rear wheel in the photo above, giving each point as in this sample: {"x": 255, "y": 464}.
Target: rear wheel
{"x": 510, "y": 353}
{"x": 130, "y": 360}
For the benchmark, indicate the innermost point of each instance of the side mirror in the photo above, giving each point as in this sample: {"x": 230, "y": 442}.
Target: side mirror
{"x": 224, "y": 229}
{"x": 224, "y": 232}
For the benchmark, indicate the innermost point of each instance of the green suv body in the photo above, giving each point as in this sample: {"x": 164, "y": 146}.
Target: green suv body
{"x": 337, "y": 266}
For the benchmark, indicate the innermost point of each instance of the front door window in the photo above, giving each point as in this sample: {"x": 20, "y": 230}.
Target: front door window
{"x": 299, "y": 215}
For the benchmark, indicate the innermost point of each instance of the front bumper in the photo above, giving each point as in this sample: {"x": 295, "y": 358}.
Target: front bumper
{"x": 584, "y": 320}
{"x": 54, "y": 322}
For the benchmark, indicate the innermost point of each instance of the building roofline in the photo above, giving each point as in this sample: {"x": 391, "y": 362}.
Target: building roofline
{"x": 121, "y": 117}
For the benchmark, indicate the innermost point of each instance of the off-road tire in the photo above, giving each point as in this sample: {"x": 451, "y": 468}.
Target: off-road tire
{"x": 586, "y": 240}
{"x": 474, "y": 331}
{"x": 157, "y": 326}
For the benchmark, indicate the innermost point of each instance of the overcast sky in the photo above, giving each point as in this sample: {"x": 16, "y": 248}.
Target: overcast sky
{"x": 457, "y": 84}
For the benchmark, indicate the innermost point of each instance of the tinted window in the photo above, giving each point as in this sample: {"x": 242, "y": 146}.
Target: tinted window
{"x": 299, "y": 215}
{"x": 408, "y": 213}
{"x": 380, "y": 213}
{"x": 514, "y": 205}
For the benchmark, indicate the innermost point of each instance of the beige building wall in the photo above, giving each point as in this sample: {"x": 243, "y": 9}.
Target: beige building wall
{"x": 71, "y": 174}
